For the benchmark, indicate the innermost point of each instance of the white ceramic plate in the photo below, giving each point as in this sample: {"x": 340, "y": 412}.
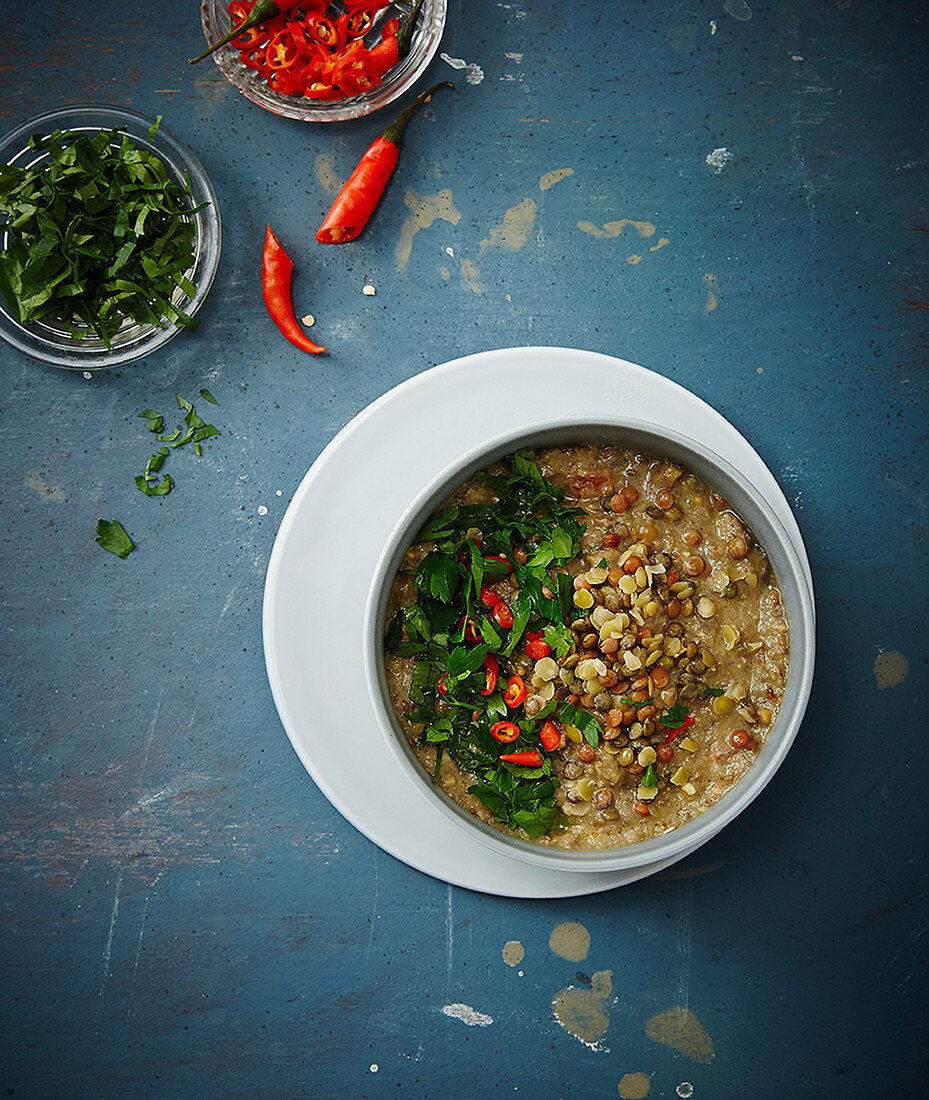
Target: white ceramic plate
{"x": 329, "y": 544}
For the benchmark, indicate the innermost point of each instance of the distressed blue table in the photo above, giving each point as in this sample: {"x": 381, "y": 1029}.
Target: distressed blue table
{"x": 733, "y": 194}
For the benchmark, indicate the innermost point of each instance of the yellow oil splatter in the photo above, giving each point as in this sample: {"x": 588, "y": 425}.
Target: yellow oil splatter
{"x": 553, "y": 177}
{"x": 513, "y": 953}
{"x": 326, "y": 177}
{"x": 679, "y": 1029}
{"x": 47, "y": 490}
{"x": 513, "y": 233}
{"x": 570, "y": 940}
{"x": 712, "y": 293}
{"x": 471, "y": 277}
{"x": 633, "y": 259}
{"x": 445, "y": 273}
{"x": 581, "y": 1012}
{"x": 890, "y": 669}
{"x": 613, "y": 229}
{"x": 634, "y": 1086}
{"x": 424, "y": 210}
{"x": 662, "y": 241}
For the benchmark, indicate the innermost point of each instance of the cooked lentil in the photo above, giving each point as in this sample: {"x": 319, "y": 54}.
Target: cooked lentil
{"x": 653, "y": 643}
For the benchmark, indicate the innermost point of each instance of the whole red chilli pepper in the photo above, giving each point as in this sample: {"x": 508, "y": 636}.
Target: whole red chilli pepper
{"x": 357, "y": 200}
{"x": 276, "y": 273}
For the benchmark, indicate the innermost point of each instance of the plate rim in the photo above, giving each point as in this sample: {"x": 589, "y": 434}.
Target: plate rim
{"x": 572, "y": 883}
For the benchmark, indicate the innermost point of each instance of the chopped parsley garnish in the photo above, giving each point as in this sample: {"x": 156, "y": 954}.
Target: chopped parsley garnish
{"x": 674, "y": 717}
{"x": 455, "y": 636}
{"x": 159, "y": 489}
{"x": 156, "y": 422}
{"x": 97, "y": 233}
{"x": 704, "y": 691}
{"x": 111, "y": 536}
{"x": 197, "y": 431}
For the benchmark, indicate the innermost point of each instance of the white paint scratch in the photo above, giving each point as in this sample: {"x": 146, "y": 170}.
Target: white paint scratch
{"x": 373, "y": 908}
{"x": 474, "y": 74}
{"x": 684, "y": 945}
{"x": 467, "y": 1015}
{"x": 151, "y": 736}
{"x": 138, "y": 952}
{"x": 229, "y": 600}
{"x": 449, "y": 936}
{"x": 719, "y": 159}
{"x": 109, "y": 937}
{"x": 738, "y": 9}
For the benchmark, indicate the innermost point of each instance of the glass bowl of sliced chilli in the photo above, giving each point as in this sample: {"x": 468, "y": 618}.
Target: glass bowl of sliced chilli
{"x": 427, "y": 34}
{"x": 66, "y": 341}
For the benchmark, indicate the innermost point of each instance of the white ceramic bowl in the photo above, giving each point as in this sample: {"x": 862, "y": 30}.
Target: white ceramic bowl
{"x": 767, "y": 529}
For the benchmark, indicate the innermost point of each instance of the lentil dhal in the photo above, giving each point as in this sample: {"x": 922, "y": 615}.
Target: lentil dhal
{"x": 586, "y": 646}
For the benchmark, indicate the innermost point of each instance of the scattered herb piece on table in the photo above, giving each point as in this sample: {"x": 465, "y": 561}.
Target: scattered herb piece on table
{"x": 358, "y": 199}
{"x": 197, "y": 431}
{"x": 111, "y": 536}
{"x": 98, "y": 234}
{"x": 276, "y": 274}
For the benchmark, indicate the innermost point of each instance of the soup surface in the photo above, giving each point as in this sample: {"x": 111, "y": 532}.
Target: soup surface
{"x": 586, "y": 646}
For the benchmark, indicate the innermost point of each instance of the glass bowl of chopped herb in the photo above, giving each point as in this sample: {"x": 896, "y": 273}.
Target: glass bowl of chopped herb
{"x": 110, "y": 237}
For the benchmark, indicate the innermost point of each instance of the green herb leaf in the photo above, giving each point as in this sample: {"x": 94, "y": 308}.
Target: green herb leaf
{"x": 704, "y": 691}
{"x": 155, "y": 463}
{"x": 590, "y": 728}
{"x": 111, "y": 536}
{"x": 650, "y": 777}
{"x": 439, "y": 731}
{"x": 207, "y": 396}
{"x": 438, "y": 576}
{"x": 394, "y": 631}
{"x": 674, "y": 717}
{"x": 156, "y": 422}
{"x": 463, "y": 661}
{"x": 559, "y": 637}
{"x": 490, "y": 635}
{"x": 160, "y": 489}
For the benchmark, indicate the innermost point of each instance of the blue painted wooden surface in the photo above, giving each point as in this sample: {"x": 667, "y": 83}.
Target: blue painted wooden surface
{"x": 182, "y": 912}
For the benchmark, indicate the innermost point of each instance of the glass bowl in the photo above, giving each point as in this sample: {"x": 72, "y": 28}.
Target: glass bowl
{"x": 426, "y": 38}
{"x": 52, "y": 342}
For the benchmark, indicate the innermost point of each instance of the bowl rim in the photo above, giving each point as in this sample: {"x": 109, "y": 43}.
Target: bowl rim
{"x": 340, "y": 110}
{"x": 801, "y": 622}
{"x": 169, "y": 147}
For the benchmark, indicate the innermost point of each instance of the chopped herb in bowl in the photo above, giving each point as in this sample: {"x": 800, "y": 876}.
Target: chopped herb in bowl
{"x": 110, "y": 236}
{"x": 98, "y": 233}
